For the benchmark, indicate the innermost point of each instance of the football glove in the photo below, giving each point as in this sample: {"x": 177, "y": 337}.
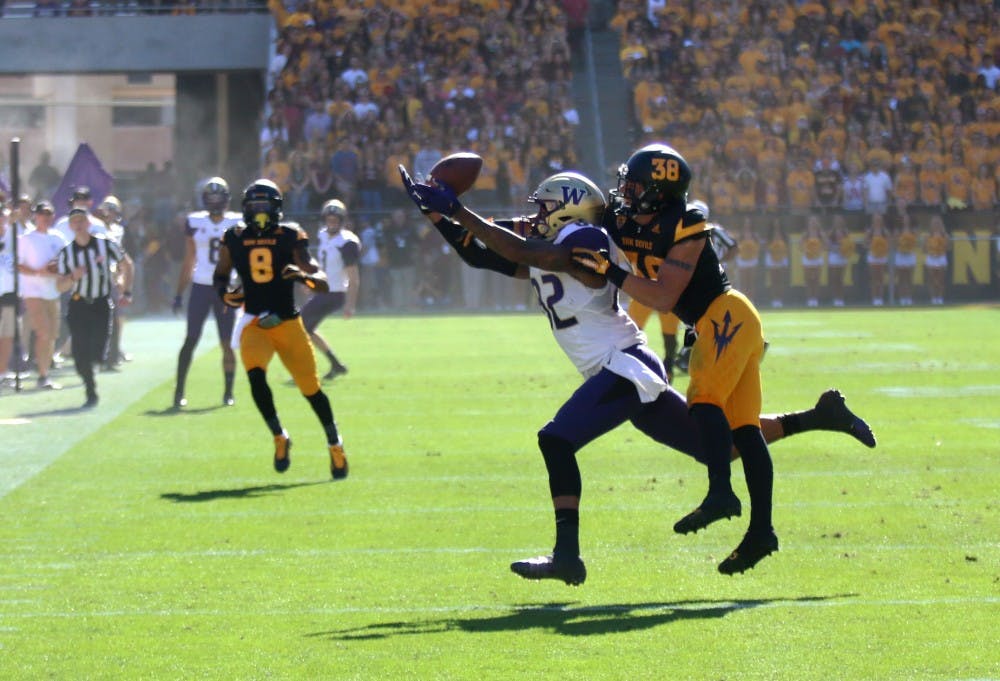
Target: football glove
{"x": 234, "y": 297}
{"x": 292, "y": 272}
{"x": 430, "y": 198}
{"x": 178, "y": 305}
{"x": 600, "y": 261}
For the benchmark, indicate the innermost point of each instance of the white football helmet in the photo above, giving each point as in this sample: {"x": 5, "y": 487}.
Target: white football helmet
{"x": 334, "y": 207}
{"x": 111, "y": 206}
{"x": 564, "y": 198}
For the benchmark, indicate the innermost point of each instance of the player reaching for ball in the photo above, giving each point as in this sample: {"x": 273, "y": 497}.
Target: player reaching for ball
{"x": 624, "y": 380}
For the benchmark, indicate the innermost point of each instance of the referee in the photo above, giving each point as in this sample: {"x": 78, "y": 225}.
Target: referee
{"x": 85, "y": 265}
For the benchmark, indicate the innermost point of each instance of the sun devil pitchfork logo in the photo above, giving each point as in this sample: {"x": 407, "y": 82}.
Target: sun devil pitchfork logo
{"x": 723, "y": 337}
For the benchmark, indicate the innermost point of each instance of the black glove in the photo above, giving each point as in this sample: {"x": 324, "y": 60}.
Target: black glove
{"x": 292, "y": 272}
{"x": 430, "y": 198}
{"x": 234, "y": 297}
{"x": 178, "y": 305}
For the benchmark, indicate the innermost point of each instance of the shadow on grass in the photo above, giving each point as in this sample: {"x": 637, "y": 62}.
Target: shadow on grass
{"x": 64, "y": 411}
{"x": 236, "y": 493}
{"x": 563, "y": 618}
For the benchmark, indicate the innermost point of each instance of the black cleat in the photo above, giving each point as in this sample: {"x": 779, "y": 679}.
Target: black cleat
{"x": 338, "y": 462}
{"x": 753, "y": 549}
{"x": 833, "y": 414}
{"x": 714, "y": 507}
{"x": 335, "y": 370}
{"x": 282, "y": 452}
{"x": 570, "y": 570}
{"x": 179, "y": 401}
{"x": 227, "y": 400}
{"x": 683, "y": 359}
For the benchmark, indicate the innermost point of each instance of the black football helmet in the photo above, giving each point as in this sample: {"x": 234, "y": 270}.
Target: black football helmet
{"x": 651, "y": 178}
{"x": 215, "y": 195}
{"x": 262, "y": 204}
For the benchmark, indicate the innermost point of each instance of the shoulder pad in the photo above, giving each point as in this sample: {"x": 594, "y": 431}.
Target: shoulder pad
{"x": 691, "y": 225}
{"x": 295, "y": 229}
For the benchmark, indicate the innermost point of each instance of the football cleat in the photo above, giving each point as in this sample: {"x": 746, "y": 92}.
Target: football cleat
{"x": 179, "y": 401}
{"x": 227, "y": 400}
{"x": 572, "y": 571}
{"x": 282, "y": 452}
{"x": 832, "y": 411}
{"x": 338, "y": 462}
{"x": 47, "y": 384}
{"x": 335, "y": 370}
{"x": 753, "y": 549}
{"x": 714, "y": 507}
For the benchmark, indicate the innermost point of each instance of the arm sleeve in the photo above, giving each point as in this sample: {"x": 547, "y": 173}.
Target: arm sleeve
{"x": 350, "y": 253}
{"x": 472, "y": 251}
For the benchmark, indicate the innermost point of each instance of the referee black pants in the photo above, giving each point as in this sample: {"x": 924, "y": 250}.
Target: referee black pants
{"x": 90, "y": 327}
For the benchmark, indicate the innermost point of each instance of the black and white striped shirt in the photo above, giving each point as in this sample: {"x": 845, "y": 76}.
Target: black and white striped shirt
{"x": 97, "y": 256}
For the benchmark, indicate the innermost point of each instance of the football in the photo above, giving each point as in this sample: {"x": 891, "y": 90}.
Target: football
{"x": 459, "y": 171}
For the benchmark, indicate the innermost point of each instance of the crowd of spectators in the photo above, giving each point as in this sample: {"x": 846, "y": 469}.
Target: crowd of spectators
{"x": 360, "y": 86}
{"x": 792, "y": 106}
{"x": 785, "y": 110}
{"x": 88, "y": 8}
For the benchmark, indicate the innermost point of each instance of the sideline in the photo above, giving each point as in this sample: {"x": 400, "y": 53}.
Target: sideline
{"x": 38, "y": 426}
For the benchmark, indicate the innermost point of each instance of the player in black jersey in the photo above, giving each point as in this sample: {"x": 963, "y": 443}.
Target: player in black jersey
{"x": 271, "y": 256}
{"x": 667, "y": 241}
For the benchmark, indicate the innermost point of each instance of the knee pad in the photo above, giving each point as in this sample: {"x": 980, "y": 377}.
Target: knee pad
{"x": 560, "y": 462}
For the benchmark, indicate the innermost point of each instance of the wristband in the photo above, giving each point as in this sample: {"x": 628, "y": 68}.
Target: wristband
{"x": 616, "y": 275}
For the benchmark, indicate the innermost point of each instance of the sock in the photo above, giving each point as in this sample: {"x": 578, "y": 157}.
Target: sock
{"x": 567, "y": 532}
{"x": 669, "y": 351}
{"x": 183, "y": 364}
{"x": 790, "y": 424}
{"x": 759, "y": 473}
{"x": 717, "y": 441}
{"x": 274, "y": 425}
{"x": 264, "y": 400}
{"x": 320, "y": 404}
{"x": 229, "y": 381}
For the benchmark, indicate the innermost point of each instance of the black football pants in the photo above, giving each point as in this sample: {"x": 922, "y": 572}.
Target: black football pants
{"x": 90, "y": 328}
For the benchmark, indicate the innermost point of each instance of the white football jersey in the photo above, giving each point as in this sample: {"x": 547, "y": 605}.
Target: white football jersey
{"x": 207, "y": 236}
{"x": 335, "y": 253}
{"x": 589, "y": 324}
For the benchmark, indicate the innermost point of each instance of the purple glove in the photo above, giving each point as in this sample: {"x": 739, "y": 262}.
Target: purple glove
{"x": 430, "y": 198}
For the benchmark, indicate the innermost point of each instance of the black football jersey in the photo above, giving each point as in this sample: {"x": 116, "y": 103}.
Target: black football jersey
{"x": 647, "y": 245}
{"x": 259, "y": 257}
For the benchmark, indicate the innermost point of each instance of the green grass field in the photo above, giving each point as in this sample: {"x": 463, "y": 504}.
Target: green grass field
{"x": 140, "y": 544}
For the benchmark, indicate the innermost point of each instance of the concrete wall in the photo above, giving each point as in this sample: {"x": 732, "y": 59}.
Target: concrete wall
{"x": 223, "y": 42}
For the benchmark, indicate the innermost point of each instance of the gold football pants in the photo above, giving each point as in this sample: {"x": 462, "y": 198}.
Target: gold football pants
{"x": 290, "y": 340}
{"x": 725, "y": 360}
